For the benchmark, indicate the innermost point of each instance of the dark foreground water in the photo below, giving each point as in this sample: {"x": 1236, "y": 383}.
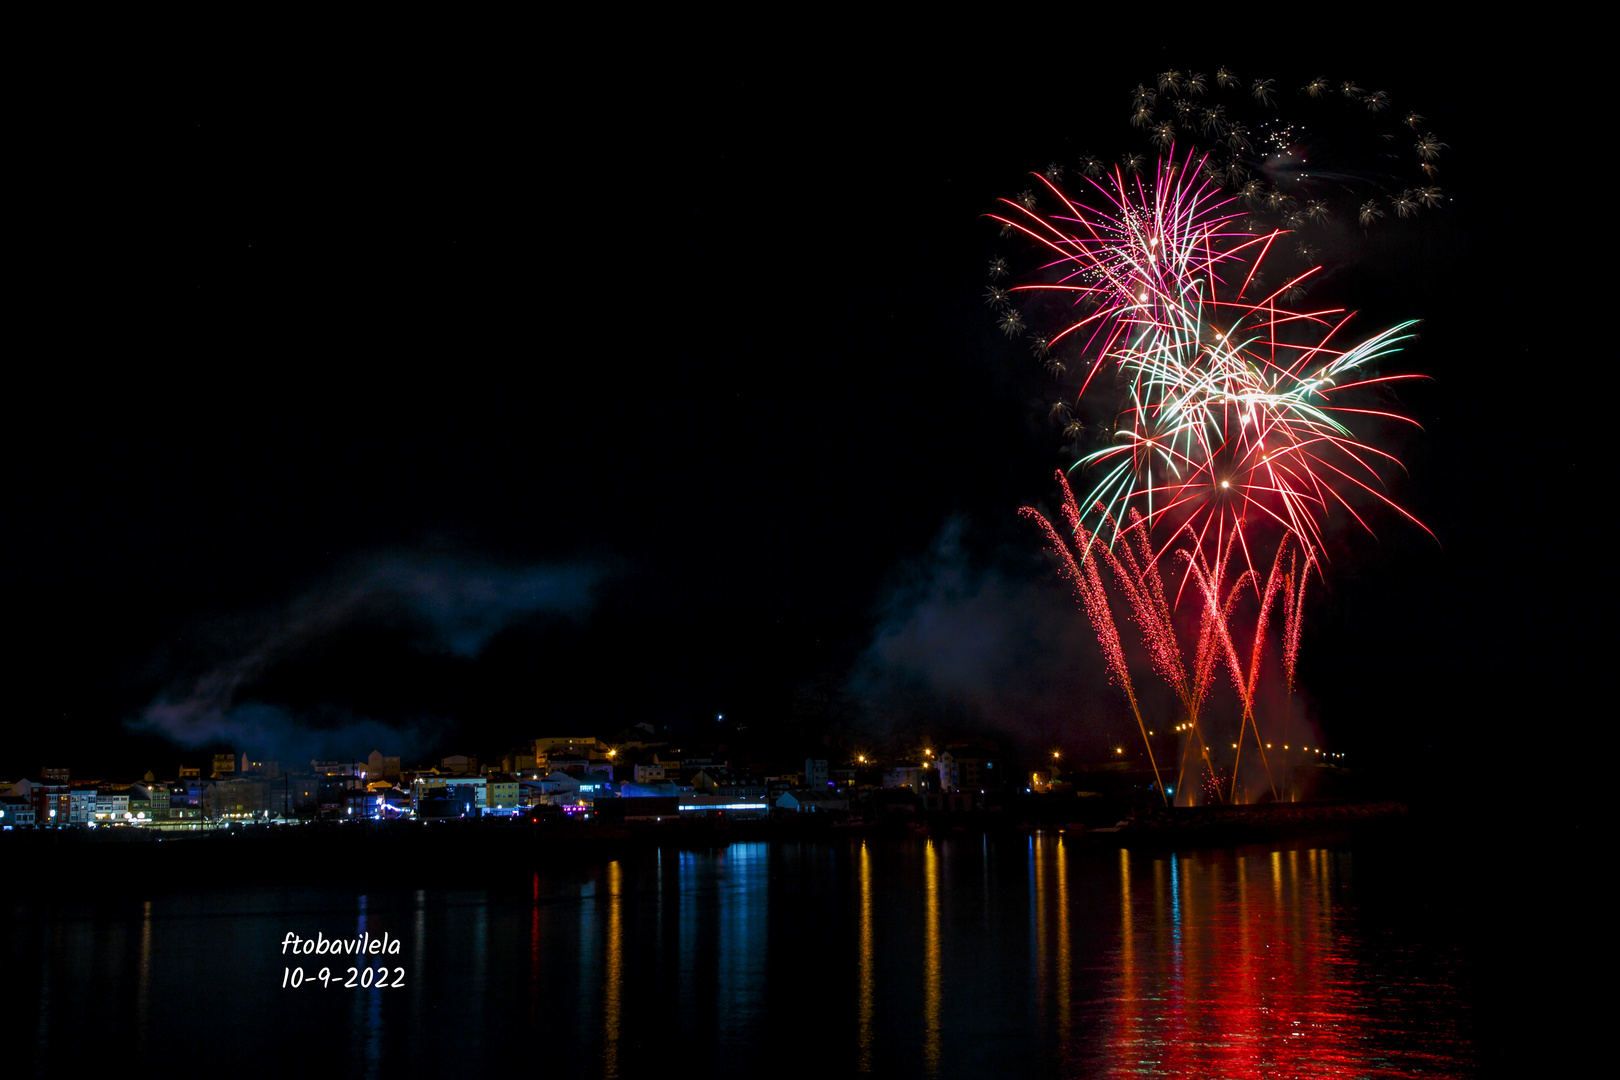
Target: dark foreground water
{"x": 963, "y": 956}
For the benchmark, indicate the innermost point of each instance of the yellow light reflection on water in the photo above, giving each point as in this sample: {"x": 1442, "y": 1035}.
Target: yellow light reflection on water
{"x": 615, "y": 974}
{"x": 864, "y": 1020}
{"x": 1065, "y": 959}
{"x": 1038, "y": 961}
{"x": 142, "y": 993}
{"x": 931, "y": 987}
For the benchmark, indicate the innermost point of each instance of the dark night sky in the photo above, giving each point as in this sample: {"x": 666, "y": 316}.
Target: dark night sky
{"x": 326, "y": 372}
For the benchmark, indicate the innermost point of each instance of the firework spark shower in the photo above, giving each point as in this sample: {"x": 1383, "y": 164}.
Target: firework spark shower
{"x": 1227, "y": 436}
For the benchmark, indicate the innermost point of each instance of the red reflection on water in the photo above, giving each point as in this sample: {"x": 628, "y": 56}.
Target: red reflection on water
{"x": 1237, "y": 967}
{"x": 534, "y": 944}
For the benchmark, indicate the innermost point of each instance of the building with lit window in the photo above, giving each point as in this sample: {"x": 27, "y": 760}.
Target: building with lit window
{"x": 16, "y": 812}
{"x": 424, "y": 787}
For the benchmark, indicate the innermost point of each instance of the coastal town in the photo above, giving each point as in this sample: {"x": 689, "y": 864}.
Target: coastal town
{"x": 633, "y": 776}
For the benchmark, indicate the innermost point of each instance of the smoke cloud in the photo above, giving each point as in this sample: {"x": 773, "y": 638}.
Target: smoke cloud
{"x": 992, "y": 644}
{"x": 449, "y": 605}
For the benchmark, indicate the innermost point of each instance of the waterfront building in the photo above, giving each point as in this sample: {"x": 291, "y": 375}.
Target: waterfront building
{"x": 187, "y": 793}
{"x": 434, "y": 787}
{"x": 82, "y": 804}
{"x": 239, "y": 799}
{"x": 812, "y": 801}
{"x": 721, "y": 806}
{"x": 720, "y": 781}
{"x": 52, "y": 801}
{"x": 969, "y": 768}
{"x": 16, "y": 812}
{"x": 501, "y": 792}
{"x": 140, "y": 804}
{"x": 653, "y": 789}
{"x": 918, "y": 778}
{"x": 112, "y": 804}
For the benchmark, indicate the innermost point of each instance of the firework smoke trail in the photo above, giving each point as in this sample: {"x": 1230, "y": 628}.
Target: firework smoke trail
{"x": 1137, "y": 576}
{"x": 1144, "y": 587}
{"x": 1276, "y": 581}
{"x": 1293, "y": 594}
{"x": 1209, "y": 579}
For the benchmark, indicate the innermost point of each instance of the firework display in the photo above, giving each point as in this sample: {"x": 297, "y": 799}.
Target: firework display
{"x": 1227, "y": 404}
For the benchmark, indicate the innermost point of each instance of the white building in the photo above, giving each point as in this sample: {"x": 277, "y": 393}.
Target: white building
{"x": 81, "y": 806}
{"x": 112, "y": 805}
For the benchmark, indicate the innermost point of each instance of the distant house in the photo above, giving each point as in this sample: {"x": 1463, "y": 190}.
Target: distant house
{"x": 237, "y": 799}
{"x": 112, "y": 803}
{"x": 141, "y": 804}
{"x": 381, "y": 766}
{"x": 915, "y": 777}
{"x": 502, "y": 792}
{"x": 593, "y": 785}
{"x": 720, "y": 806}
{"x": 431, "y": 786}
{"x": 651, "y": 789}
{"x": 966, "y": 768}
{"x": 52, "y": 801}
{"x": 559, "y": 783}
{"x": 569, "y": 751}
{"x": 459, "y": 764}
{"x": 812, "y": 801}
{"x": 581, "y": 766}
{"x": 260, "y": 766}
{"x": 16, "y": 812}
{"x": 572, "y": 788}
{"x": 82, "y": 805}
{"x": 720, "y": 781}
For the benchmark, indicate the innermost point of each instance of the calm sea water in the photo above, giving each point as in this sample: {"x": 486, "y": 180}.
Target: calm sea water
{"x": 962, "y": 956}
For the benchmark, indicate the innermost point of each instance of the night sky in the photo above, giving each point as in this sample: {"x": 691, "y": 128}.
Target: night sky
{"x": 465, "y": 411}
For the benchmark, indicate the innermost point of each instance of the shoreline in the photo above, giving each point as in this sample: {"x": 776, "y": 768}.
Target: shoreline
{"x": 406, "y": 853}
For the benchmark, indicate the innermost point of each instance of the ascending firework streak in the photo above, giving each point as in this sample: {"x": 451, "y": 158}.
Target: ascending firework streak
{"x": 1088, "y": 588}
{"x": 1136, "y": 576}
{"x": 1230, "y": 425}
{"x": 1293, "y": 592}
